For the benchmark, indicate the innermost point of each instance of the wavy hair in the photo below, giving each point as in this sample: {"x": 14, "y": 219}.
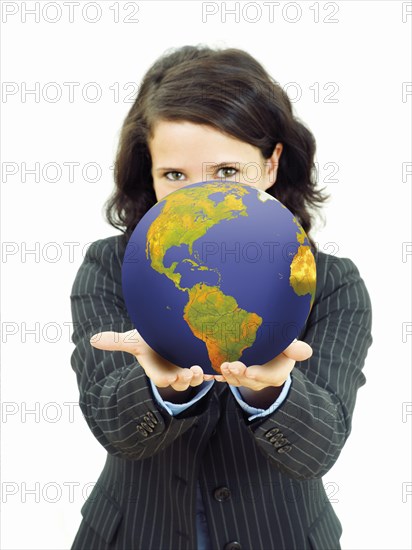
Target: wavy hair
{"x": 232, "y": 92}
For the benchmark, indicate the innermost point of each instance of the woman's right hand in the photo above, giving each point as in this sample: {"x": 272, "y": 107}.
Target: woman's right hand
{"x": 159, "y": 370}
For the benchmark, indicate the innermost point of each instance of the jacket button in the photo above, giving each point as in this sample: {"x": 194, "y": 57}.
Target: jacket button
{"x": 149, "y": 420}
{"x": 140, "y": 429}
{"x": 285, "y": 449}
{"x": 280, "y": 443}
{"x": 152, "y": 417}
{"x": 146, "y": 427}
{"x": 222, "y": 494}
{"x": 271, "y": 432}
{"x": 234, "y": 545}
{"x": 275, "y": 438}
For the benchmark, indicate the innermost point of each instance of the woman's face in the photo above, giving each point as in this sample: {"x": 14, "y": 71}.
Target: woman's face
{"x": 183, "y": 153}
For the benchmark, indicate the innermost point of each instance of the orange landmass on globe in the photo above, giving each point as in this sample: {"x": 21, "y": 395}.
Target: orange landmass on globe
{"x": 303, "y": 268}
{"x": 220, "y": 323}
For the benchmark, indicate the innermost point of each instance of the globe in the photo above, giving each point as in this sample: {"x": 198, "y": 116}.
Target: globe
{"x": 218, "y": 271}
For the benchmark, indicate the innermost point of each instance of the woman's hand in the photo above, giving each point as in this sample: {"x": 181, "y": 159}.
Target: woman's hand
{"x": 274, "y": 373}
{"x": 161, "y": 372}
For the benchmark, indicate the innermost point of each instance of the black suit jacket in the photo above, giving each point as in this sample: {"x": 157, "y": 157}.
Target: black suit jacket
{"x": 261, "y": 480}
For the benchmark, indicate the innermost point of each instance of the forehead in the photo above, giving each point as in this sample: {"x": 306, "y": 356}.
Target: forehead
{"x": 180, "y": 140}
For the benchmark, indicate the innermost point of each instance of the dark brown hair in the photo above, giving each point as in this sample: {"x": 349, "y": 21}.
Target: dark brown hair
{"x": 230, "y": 91}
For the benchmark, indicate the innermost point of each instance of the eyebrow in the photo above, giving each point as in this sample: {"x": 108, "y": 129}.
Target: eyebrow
{"x": 219, "y": 165}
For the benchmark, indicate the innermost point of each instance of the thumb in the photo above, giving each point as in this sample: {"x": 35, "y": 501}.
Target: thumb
{"x": 117, "y": 341}
{"x": 298, "y": 350}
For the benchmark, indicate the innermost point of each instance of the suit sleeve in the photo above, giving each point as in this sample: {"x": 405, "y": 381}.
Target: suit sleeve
{"x": 115, "y": 395}
{"x": 305, "y": 435}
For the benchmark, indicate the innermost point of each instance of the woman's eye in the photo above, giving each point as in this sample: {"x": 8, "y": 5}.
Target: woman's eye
{"x": 173, "y": 179}
{"x": 224, "y": 172}
{"x": 226, "y": 169}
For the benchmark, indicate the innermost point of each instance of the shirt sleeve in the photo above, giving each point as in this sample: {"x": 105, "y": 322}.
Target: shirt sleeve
{"x": 176, "y": 408}
{"x": 253, "y": 411}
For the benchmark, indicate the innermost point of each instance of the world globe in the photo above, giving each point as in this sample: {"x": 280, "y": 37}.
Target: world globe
{"x": 218, "y": 271}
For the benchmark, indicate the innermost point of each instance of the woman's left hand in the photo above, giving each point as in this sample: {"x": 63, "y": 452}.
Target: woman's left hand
{"x": 273, "y": 373}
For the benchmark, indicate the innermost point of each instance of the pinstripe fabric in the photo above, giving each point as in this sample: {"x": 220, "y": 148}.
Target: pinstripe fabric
{"x": 145, "y": 497}
{"x": 202, "y": 530}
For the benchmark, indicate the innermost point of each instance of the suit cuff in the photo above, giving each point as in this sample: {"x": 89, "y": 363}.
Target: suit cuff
{"x": 176, "y": 408}
{"x": 257, "y": 413}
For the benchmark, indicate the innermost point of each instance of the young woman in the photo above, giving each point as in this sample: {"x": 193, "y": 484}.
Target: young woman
{"x": 229, "y": 461}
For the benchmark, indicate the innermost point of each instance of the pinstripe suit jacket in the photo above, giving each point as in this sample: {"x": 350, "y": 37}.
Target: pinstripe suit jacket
{"x": 261, "y": 480}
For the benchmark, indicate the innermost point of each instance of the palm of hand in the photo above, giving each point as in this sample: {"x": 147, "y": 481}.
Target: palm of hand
{"x": 163, "y": 373}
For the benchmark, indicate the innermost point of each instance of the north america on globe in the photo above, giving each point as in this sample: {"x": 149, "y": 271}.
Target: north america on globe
{"x": 227, "y": 252}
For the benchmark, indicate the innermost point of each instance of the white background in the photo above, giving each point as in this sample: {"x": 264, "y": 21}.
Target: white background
{"x": 50, "y": 459}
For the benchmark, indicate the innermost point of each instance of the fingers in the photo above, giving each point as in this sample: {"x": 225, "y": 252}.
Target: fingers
{"x": 256, "y": 377}
{"x": 197, "y": 376}
{"x": 231, "y": 372}
{"x": 116, "y": 341}
{"x": 188, "y": 377}
{"x": 235, "y": 373}
{"x": 298, "y": 351}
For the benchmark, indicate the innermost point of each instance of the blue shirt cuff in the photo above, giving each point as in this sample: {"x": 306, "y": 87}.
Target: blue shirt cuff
{"x": 253, "y": 411}
{"x": 176, "y": 408}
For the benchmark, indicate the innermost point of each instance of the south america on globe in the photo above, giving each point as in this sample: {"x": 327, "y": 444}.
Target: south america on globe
{"x": 218, "y": 271}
